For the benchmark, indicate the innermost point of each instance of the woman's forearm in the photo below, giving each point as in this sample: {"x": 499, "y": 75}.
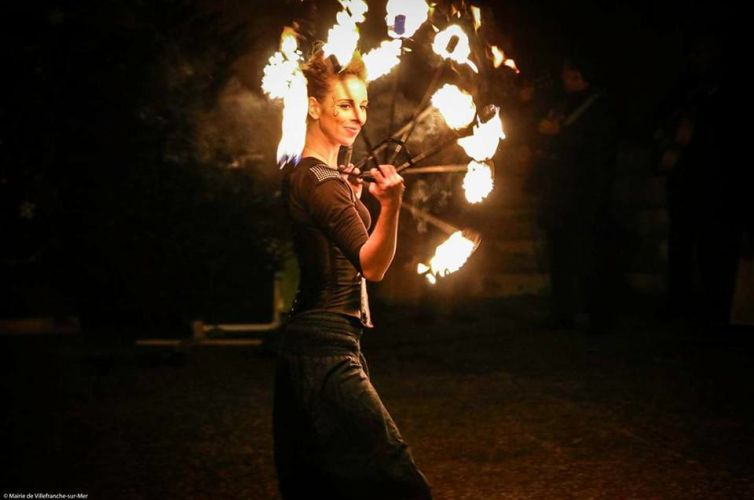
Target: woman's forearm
{"x": 377, "y": 253}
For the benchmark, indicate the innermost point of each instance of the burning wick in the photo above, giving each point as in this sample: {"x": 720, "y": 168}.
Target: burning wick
{"x": 399, "y": 25}
{"x": 452, "y": 44}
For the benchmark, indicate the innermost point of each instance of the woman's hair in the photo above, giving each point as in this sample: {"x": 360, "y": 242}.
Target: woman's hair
{"x": 319, "y": 70}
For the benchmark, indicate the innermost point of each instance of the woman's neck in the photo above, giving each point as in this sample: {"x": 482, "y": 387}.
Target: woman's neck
{"x": 317, "y": 146}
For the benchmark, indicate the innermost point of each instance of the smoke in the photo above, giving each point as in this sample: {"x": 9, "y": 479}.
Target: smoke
{"x": 241, "y": 129}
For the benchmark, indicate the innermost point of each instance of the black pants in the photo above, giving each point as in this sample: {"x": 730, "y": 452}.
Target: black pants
{"x": 579, "y": 272}
{"x": 333, "y": 436}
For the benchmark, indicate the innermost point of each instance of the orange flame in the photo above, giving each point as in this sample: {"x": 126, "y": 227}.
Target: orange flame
{"x": 343, "y": 38}
{"x": 449, "y": 257}
{"x": 460, "y": 53}
{"x": 477, "y": 13}
{"x": 482, "y": 144}
{"x": 411, "y": 14}
{"x": 498, "y": 56}
{"x": 477, "y": 183}
{"x": 381, "y": 60}
{"x": 282, "y": 66}
{"x": 283, "y": 79}
{"x": 456, "y": 106}
{"x": 499, "y": 59}
{"x": 295, "y": 108}
{"x": 512, "y": 65}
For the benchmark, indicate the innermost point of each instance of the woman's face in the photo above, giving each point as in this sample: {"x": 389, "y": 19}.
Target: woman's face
{"x": 343, "y": 111}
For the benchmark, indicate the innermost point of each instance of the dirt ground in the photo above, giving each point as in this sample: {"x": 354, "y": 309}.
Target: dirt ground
{"x": 492, "y": 407}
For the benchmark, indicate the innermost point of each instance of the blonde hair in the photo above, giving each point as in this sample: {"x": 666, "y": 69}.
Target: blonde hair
{"x": 320, "y": 70}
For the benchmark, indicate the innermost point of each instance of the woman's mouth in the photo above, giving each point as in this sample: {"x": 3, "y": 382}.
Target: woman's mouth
{"x": 353, "y": 130}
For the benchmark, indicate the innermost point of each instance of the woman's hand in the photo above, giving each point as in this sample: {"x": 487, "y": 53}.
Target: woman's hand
{"x": 388, "y": 186}
{"x": 351, "y": 175}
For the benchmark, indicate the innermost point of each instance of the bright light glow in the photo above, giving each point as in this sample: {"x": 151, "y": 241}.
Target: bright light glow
{"x": 498, "y": 56}
{"x": 456, "y": 106}
{"x": 482, "y": 144}
{"x": 283, "y": 79}
{"x": 460, "y": 53}
{"x": 295, "y": 109}
{"x": 282, "y": 66}
{"x": 498, "y": 59}
{"x": 477, "y": 183}
{"x": 512, "y": 65}
{"x": 414, "y": 14}
{"x": 477, "y": 13}
{"x": 449, "y": 257}
{"x": 343, "y": 38}
{"x": 381, "y": 60}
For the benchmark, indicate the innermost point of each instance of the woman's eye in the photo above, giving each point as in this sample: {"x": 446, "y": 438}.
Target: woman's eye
{"x": 364, "y": 108}
{"x": 345, "y": 106}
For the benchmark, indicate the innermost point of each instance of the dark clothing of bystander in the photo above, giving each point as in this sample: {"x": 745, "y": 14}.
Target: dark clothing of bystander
{"x": 575, "y": 174}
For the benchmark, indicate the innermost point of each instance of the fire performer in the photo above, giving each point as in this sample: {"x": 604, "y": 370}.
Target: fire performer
{"x": 333, "y": 436}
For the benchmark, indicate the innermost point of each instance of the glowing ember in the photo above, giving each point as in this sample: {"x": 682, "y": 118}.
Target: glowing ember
{"x": 449, "y": 257}
{"x": 512, "y": 65}
{"x": 452, "y": 43}
{"x": 282, "y": 66}
{"x": 478, "y": 182}
{"x": 499, "y": 59}
{"x": 381, "y": 60}
{"x": 498, "y": 56}
{"x": 477, "y": 13}
{"x": 455, "y": 105}
{"x": 344, "y": 36}
{"x": 482, "y": 144}
{"x": 404, "y": 17}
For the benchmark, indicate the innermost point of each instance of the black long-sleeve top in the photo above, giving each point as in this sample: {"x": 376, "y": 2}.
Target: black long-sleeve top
{"x": 329, "y": 228}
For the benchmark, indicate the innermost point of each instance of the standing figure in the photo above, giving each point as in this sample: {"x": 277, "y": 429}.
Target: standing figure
{"x": 576, "y": 174}
{"x": 333, "y": 436}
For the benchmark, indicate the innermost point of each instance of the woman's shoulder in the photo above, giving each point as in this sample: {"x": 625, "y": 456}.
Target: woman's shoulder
{"x": 311, "y": 172}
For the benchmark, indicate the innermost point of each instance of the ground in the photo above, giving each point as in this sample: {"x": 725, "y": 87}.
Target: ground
{"x": 492, "y": 407}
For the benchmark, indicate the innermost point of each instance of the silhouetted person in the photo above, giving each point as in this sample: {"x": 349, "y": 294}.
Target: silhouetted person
{"x": 706, "y": 190}
{"x": 576, "y": 172}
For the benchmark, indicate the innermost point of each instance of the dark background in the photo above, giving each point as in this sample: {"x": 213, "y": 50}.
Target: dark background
{"x": 117, "y": 129}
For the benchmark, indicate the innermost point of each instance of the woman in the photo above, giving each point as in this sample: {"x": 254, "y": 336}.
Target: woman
{"x": 333, "y": 437}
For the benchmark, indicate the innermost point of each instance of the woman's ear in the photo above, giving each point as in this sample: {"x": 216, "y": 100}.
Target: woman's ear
{"x": 314, "y": 108}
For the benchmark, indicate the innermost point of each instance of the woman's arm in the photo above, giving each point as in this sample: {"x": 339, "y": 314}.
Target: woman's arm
{"x": 377, "y": 253}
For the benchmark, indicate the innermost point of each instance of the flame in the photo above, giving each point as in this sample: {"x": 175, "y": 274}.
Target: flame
{"x": 455, "y": 105}
{"x": 449, "y": 257}
{"x": 512, "y": 65}
{"x": 344, "y": 36}
{"x": 482, "y": 144}
{"x": 414, "y": 14}
{"x": 381, "y": 60}
{"x": 498, "y": 59}
{"x": 498, "y": 56}
{"x": 460, "y": 53}
{"x": 295, "y": 108}
{"x": 283, "y": 79}
{"x": 282, "y": 66}
{"x": 478, "y": 182}
{"x": 477, "y": 13}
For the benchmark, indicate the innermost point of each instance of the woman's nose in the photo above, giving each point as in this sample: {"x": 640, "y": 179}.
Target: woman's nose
{"x": 361, "y": 117}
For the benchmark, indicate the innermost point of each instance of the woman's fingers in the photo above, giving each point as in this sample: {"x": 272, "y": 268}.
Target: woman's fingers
{"x": 379, "y": 178}
{"x": 390, "y": 175}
